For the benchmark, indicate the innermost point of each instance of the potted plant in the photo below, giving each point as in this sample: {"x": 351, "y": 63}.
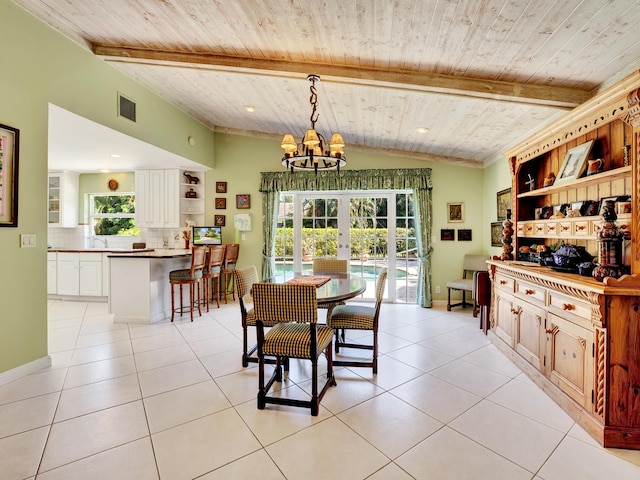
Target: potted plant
{"x": 307, "y": 249}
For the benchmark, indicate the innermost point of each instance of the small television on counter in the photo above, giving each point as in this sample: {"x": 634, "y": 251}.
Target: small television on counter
{"x": 207, "y": 235}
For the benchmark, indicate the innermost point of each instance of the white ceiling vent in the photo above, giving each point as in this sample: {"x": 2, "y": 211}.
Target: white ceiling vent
{"x": 126, "y": 108}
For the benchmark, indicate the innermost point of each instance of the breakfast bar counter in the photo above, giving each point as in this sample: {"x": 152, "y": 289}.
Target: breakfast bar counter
{"x": 139, "y": 284}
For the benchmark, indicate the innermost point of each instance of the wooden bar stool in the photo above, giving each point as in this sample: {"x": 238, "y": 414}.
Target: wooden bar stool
{"x": 230, "y": 260}
{"x": 189, "y": 276}
{"x": 212, "y": 274}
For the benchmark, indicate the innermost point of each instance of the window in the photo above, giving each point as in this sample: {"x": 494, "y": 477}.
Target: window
{"x": 113, "y": 214}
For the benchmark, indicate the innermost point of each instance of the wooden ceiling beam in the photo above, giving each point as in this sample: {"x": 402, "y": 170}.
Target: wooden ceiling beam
{"x": 555, "y": 97}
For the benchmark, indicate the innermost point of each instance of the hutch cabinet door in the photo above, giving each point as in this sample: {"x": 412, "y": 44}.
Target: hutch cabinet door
{"x": 569, "y": 358}
{"x": 530, "y": 337}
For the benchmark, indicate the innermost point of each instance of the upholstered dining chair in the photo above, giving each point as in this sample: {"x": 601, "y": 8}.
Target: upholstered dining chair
{"x": 212, "y": 274}
{"x": 189, "y": 276}
{"x": 245, "y": 277}
{"x": 292, "y": 313}
{"x": 330, "y": 266}
{"x": 230, "y": 259}
{"x": 358, "y": 317}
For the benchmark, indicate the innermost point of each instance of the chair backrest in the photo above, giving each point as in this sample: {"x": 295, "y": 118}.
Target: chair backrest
{"x": 245, "y": 278}
{"x": 380, "y": 284}
{"x": 215, "y": 257}
{"x": 231, "y": 255}
{"x": 198, "y": 258}
{"x": 474, "y": 263}
{"x": 278, "y": 303}
{"x": 330, "y": 265}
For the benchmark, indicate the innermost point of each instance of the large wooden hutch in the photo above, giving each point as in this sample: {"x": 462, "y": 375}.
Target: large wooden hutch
{"x": 576, "y": 337}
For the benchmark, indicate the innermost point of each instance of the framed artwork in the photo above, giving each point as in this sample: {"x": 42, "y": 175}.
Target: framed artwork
{"x": 464, "y": 235}
{"x": 574, "y": 164}
{"x": 221, "y": 203}
{"x": 221, "y": 187}
{"x": 243, "y": 201}
{"x": 9, "y": 155}
{"x": 496, "y": 234}
{"x": 219, "y": 220}
{"x": 455, "y": 212}
{"x": 503, "y": 198}
{"x": 447, "y": 234}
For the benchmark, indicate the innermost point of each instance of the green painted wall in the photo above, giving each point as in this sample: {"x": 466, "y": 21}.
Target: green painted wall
{"x": 42, "y": 66}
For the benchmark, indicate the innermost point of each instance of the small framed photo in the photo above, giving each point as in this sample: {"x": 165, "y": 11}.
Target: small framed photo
{"x": 221, "y": 203}
{"x": 447, "y": 235}
{"x": 496, "y": 234}
{"x": 221, "y": 187}
{"x": 243, "y": 201}
{"x": 455, "y": 212}
{"x": 219, "y": 220}
{"x": 574, "y": 164}
{"x": 464, "y": 235}
{"x": 9, "y": 155}
{"x": 503, "y": 198}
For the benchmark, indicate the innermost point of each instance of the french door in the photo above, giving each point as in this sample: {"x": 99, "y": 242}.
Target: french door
{"x": 369, "y": 229}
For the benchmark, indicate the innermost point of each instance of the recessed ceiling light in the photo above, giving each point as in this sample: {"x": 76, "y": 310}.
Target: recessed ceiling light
{"x": 104, "y": 170}
{"x": 249, "y": 108}
{"x": 114, "y": 155}
{"x": 422, "y": 130}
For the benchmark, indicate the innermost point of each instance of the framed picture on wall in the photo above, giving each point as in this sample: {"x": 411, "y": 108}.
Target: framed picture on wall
{"x": 503, "y": 198}
{"x": 221, "y": 203}
{"x": 496, "y": 234}
{"x": 221, "y": 187}
{"x": 447, "y": 235}
{"x": 243, "y": 201}
{"x": 219, "y": 220}
{"x": 464, "y": 235}
{"x": 455, "y": 212}
{"x": 9, "y": 150}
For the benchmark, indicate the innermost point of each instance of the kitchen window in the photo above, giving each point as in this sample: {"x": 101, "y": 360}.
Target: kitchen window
{"x": 113, "y": 214}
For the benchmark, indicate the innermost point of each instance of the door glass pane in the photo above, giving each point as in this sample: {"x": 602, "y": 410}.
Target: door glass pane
{"x": 406, "y": 250}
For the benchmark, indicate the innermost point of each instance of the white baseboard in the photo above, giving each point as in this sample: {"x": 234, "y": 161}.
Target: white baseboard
{"x": 24, "y": 370}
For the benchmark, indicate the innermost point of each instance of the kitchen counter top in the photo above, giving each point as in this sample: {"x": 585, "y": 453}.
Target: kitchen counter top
{"x": 151, "y": 253}
{"x": 100, "y": 250}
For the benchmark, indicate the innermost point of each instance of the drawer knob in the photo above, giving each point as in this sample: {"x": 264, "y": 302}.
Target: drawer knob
{"x": 529, "y": 291}
{"x": 568, "y": 306}
{"x": 580, "y": 227}
{"x": 503, "y": 282}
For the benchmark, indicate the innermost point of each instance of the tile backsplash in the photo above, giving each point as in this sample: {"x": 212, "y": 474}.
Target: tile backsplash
{"x": 79, "y": 237}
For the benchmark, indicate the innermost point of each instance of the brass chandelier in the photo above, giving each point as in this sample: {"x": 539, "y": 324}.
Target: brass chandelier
{"x": 312, "y": 153}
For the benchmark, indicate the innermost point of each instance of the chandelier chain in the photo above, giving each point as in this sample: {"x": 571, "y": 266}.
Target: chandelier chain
{"x": 313, "y": 100}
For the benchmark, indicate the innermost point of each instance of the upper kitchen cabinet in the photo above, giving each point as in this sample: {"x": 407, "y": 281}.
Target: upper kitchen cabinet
{"x": 62, "y": 203}
{"x": 168, "y": 198}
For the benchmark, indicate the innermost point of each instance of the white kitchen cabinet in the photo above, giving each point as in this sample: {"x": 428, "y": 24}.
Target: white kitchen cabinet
{"x": 68, "y": 273}
{"x": 161, "y": 198}
{"x": 79, "y": 274}
{"x": 62, "y": 200}
{"x": 91, "y": 274}
{"x": 105, "y": 274}
{"x": 52, "y": 275}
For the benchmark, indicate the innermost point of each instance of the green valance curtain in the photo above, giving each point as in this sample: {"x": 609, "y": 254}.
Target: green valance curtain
{"x": 418, "y": 180}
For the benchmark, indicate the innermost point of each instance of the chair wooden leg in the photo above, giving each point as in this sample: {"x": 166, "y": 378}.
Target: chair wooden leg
{"x": 448, "y": 299}
{"x": 315, "y": 404}
{"x": 173, "y": 306}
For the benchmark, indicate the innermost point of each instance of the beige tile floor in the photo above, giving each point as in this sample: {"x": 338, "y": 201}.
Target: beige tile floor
{"x": 172, "y": 401}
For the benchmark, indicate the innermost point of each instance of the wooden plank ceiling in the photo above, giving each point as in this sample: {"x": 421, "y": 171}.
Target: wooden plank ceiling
{"x": 480, "y": 75}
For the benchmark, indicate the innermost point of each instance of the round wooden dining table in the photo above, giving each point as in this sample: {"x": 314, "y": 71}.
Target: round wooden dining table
{"x": 340, "y": 287}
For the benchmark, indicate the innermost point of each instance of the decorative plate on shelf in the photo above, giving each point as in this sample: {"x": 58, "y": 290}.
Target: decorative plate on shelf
{"x": 113, "y": 184}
